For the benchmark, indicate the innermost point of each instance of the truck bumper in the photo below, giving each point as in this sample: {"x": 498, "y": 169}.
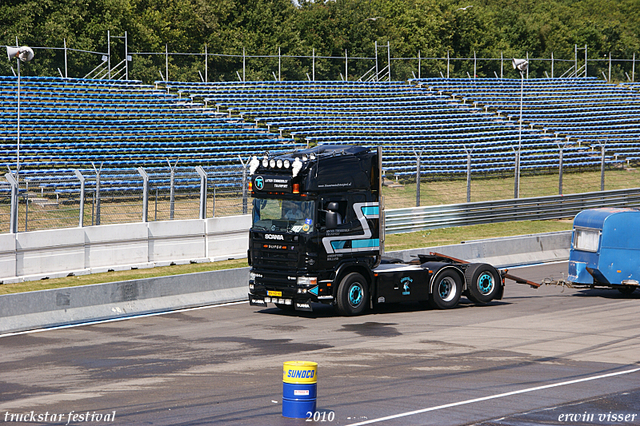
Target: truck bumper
{"x": 298, "y": 305}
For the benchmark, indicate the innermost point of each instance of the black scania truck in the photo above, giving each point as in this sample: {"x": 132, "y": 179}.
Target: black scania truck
{"x": 318, "y": 236}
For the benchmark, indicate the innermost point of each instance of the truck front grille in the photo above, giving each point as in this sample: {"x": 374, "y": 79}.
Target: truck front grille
{"x": 279, "y": 255}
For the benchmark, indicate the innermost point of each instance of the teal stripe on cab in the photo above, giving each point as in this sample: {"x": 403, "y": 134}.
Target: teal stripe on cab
{"x": 370, "y": 211}
{"x": 373, "y": 242}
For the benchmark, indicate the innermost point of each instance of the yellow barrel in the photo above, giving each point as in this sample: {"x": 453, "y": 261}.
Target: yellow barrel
{"x": 299, "y": 388}
{"x": 300, "y": 372}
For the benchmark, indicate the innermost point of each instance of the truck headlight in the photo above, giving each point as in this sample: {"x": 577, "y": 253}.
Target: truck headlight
{"x": 307, "y": 281}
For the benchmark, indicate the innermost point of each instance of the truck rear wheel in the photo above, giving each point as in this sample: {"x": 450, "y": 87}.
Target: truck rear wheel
{"x": 353, "y": 295}
{"x": 482, "y": 283}
{"x": 447, "y": 288}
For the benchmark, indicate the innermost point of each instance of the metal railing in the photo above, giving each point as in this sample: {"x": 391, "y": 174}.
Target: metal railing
{"x": 538, "y": 208}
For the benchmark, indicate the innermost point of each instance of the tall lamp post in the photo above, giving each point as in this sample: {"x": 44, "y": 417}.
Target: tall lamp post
{"x": 22, "y": 54}
{"x": 520, "y": 65}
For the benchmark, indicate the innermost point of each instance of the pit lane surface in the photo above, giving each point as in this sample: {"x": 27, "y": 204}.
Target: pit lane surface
{"x": 526, "y": 360}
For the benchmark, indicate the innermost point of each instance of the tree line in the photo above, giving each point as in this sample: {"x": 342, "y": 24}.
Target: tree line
{"x": 429, "y": 28}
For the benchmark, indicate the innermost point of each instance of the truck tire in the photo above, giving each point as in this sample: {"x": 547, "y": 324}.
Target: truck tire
{"x": 627, "y": 290}
{"x": 483, "y": 283}
{"x": 353, "y": 295}
{"x": 447, "y": 288}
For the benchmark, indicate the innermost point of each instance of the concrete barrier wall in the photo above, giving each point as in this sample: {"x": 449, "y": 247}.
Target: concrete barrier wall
{"x": 224, "y": 237}
{"x": 74, "y": 305}
{"x": 61, "y": 252}
{"x": 48, "y": 308}
{"x": 109, "y": 245}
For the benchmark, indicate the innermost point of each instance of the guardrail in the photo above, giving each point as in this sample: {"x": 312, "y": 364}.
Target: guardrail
{"x": 538, "y": 208}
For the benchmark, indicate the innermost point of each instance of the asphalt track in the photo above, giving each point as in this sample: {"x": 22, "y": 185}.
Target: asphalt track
{"x": 538, "y": 357}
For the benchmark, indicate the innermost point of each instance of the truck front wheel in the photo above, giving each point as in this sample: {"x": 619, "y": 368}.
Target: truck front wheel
{"x": 353, "y": 295}
{"x": 447, "y": 288}
{"x": 482, "y": 282}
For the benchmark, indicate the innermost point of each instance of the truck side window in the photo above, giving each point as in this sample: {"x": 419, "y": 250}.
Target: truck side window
{"x": 351, "y": 214}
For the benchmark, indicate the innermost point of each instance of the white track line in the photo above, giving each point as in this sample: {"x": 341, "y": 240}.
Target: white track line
{"x": 152, "y": 314}
{"x": 500, "y": 395}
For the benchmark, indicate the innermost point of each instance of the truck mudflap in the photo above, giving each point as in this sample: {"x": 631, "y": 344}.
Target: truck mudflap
{"x": 257, "y": 301}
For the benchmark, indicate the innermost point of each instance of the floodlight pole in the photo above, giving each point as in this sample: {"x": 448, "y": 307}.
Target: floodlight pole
{"x": 521, "y": 65}
{"x": 21, "y": 54}
{"x": 18, "y": 130}
{"x": 517, "y": 180}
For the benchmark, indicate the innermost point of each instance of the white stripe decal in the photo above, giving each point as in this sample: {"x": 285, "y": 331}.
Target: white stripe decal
{"x": 358, "y": 208}
{"x": 500, "y": 395}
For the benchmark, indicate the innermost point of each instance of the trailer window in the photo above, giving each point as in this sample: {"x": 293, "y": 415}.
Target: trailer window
{"x": 586, "y": 239}
{"x": 283, "y": 215}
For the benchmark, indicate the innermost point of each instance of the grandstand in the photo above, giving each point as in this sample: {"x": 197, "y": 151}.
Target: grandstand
{"x": 440, "y": 116}
{"x": 79, "y": 123}
{"x": 583, "y": 111}
{"x": 71, "y": 124}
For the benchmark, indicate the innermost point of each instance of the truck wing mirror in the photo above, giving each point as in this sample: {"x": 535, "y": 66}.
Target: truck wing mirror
{"x": 331, "y": 219}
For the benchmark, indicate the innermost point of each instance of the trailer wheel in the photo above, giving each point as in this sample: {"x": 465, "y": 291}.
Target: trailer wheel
{"x": 627, "y": 290}
{"x": 353, "y": 295}
{"x": 482, "y": 282}
{"x": 446, "y": 291}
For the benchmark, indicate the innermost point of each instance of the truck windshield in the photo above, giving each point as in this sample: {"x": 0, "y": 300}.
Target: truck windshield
{"x": 283, "y": 215}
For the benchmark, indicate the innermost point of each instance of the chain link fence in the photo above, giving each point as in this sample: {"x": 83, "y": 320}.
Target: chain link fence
{"x": 72, "y": 198}
{"x": 375, "y": 62}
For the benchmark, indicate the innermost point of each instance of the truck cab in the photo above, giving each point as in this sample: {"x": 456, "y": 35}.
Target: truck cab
{"x": 316, "y": 219}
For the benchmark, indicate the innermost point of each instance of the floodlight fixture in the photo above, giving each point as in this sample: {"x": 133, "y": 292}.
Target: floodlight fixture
{"x": 520, "y": 64}
{"x": 24, "y": 53}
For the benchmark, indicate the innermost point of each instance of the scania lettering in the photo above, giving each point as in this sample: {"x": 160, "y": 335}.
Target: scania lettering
{"x": 324, "y": 206}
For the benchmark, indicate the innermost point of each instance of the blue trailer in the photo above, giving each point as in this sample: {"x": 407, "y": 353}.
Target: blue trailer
{"x": 605, "y": 249}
